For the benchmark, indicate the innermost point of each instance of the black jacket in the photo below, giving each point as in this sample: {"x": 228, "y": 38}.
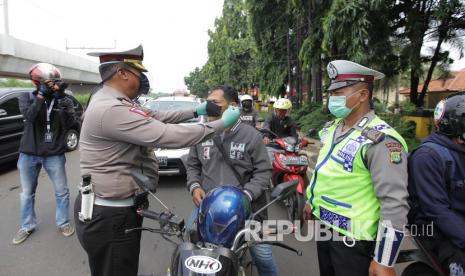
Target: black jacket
{"x": 427, "y": 188}
{"x": 34, "y": 111}
{"x": 283, "y": 128}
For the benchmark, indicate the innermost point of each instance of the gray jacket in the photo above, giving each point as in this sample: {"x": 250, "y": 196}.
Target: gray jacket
{"x": 206, "y": 167}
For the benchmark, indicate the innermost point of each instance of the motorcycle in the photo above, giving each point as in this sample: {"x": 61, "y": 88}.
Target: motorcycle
{"x": 290, "y": 164}
{"x": 194, "y": 257}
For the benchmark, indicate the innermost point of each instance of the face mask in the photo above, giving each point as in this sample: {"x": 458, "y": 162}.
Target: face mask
{"x": 247, "y": 105}
{"x": 213, "y": 110}
{"x": 337, "y": 106}
{"x": 144, "y": 84}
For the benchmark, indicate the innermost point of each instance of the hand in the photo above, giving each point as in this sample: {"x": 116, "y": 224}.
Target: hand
{"x": 230, "y": 116}
{"x": 307, "y": 212}
{"x": 266, "y": 140}
{"x": 201, "y": 109}
{"x": 198, "y": 194}
{"x": 380, "y": 270}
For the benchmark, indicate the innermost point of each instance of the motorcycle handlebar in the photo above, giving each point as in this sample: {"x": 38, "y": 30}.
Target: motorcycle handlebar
{"x": 164, "y": 218}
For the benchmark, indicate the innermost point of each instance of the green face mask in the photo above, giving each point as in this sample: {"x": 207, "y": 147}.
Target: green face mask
{"x": 337, "y": 105}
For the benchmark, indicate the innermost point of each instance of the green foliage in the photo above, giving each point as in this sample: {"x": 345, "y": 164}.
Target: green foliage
{"x": 196, "y": 82}
{"x": 311, "y": 116}
{"x": 407, "y": 107}
{"x": 82, "y": 98}
{"x": 9, "y": 82}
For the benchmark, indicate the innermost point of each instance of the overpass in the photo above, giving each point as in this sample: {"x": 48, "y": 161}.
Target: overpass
{"x": 17, "y": 56}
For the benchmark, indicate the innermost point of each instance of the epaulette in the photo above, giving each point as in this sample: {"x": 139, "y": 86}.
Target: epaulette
{"x": 125, "y": 101}
{"x": 374, "y": 135}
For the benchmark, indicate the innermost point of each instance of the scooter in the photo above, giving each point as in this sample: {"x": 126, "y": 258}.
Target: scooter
{"x": 192, "y": 256}
{"x": 290, "y": 163}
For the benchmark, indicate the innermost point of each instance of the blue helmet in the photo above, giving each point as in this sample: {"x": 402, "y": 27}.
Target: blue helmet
{"x": 222, "y": 214}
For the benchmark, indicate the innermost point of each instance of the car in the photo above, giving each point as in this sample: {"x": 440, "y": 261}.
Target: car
{"x": 173, "y": 161}
{"x": 143, "y": 99}
{"x": 12, "y": 123}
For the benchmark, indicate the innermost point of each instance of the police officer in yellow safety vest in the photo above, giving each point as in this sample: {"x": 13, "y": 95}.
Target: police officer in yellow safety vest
{"x": 359, "y": 186}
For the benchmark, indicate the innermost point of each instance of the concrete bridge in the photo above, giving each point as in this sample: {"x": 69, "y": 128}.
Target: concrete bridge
{"x": 17, "y": 56}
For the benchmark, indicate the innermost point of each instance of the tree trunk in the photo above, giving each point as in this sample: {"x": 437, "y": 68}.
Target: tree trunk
{"x": 289, "y": 65}
{"x": 299, "y": 82}
{"x": 434, "y": 61}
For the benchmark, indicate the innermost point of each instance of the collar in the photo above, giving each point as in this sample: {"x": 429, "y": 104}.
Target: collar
{"x": 108, "y": 90}
{"x": 363, "y": 122}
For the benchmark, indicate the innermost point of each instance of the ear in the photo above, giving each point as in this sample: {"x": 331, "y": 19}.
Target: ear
{"x": 364, "y": 95}
{"x": 122, "y": 74}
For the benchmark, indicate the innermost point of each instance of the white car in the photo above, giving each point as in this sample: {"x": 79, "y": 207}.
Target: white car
{"x": 173, "y": 161}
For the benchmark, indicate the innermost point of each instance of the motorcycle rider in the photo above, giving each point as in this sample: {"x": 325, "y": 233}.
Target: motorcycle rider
{"x": 235, "y": 157}
{"x": 118, "y": 137}
{"x": 279, "y": 122}
{"x": 359, "y": 186}
{"x": 249, "y": 115}
{"x": 437, "y": 185}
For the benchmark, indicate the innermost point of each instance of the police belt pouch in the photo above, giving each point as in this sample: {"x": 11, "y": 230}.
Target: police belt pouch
{"x": 87, "y": 201}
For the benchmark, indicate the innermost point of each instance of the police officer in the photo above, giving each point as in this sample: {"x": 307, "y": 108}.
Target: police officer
{"x": 359, "y": 186}
{"x": 249, "y": 115}
{"x": 118, "y": 136}
{"x": 437, "y": 186}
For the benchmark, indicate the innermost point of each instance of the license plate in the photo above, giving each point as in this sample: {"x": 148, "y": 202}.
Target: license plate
{"x": 296, "y": 161}
{"x": 162, "y": 161}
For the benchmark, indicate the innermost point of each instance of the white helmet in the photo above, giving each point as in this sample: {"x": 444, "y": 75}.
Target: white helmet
{"x": 246, "y": 98}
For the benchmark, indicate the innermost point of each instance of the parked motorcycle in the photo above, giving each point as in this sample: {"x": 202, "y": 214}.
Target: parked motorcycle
{"x": 192, "y": 255}
{"x": 290, "y": 163}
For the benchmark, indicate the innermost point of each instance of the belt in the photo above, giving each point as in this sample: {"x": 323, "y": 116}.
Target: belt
{"x": 114, "y": 202}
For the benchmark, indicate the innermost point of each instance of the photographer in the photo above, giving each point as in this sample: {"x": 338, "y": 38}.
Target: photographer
{"x": 47, "y": 112}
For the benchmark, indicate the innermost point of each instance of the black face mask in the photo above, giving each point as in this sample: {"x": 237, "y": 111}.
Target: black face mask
{"x": 247, "y": 105}
{"x": 144, "y": 84}
{"x": 213, "y": 110}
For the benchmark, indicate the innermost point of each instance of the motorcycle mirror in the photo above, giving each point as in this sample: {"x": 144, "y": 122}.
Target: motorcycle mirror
{"x": 260, "y": 120}
{"x": 144, "y": 183}
{"x": 279, "y": 192}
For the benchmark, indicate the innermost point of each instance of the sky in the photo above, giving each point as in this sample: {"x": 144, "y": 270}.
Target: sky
{"x": 174, "y": 33}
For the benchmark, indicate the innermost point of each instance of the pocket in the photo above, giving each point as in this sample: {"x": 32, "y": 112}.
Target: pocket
{"x": 335, "y": 202}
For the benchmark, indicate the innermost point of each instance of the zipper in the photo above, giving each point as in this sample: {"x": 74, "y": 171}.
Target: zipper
{"x": 312, "y": 187}
{"x": 335, "y": 202}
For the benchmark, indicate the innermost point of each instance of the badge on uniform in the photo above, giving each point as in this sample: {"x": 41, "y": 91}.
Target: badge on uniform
{"x": 395, "y": 152}
{"x": 237, "y": 151}
{"x": 246, "y": 118}
{"x": 48, "y": 137}
{"x": 139, "y": 111}
{"x": 348, "y": 153}
{"x": 206, "y": 153}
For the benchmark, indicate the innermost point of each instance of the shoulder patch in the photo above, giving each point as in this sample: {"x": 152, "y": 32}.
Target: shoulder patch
{"x": 374, "y": 135}
{"x": 395, "y": 152}
{"x": 139, "y": 111}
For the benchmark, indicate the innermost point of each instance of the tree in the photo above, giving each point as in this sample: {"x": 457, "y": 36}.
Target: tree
{"x": 196, "y": 82}
{"x": 231, "y": 49}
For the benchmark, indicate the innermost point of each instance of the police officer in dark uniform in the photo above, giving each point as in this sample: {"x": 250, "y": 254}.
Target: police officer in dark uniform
{"x": 117, "y": 137}
{"x": 437, "y": 186}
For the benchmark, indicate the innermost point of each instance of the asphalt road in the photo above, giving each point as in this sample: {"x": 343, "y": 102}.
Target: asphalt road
{"x": 47, "y": 252}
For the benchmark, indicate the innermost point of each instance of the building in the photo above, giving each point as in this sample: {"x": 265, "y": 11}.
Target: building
{"x": 439, "y": 89}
